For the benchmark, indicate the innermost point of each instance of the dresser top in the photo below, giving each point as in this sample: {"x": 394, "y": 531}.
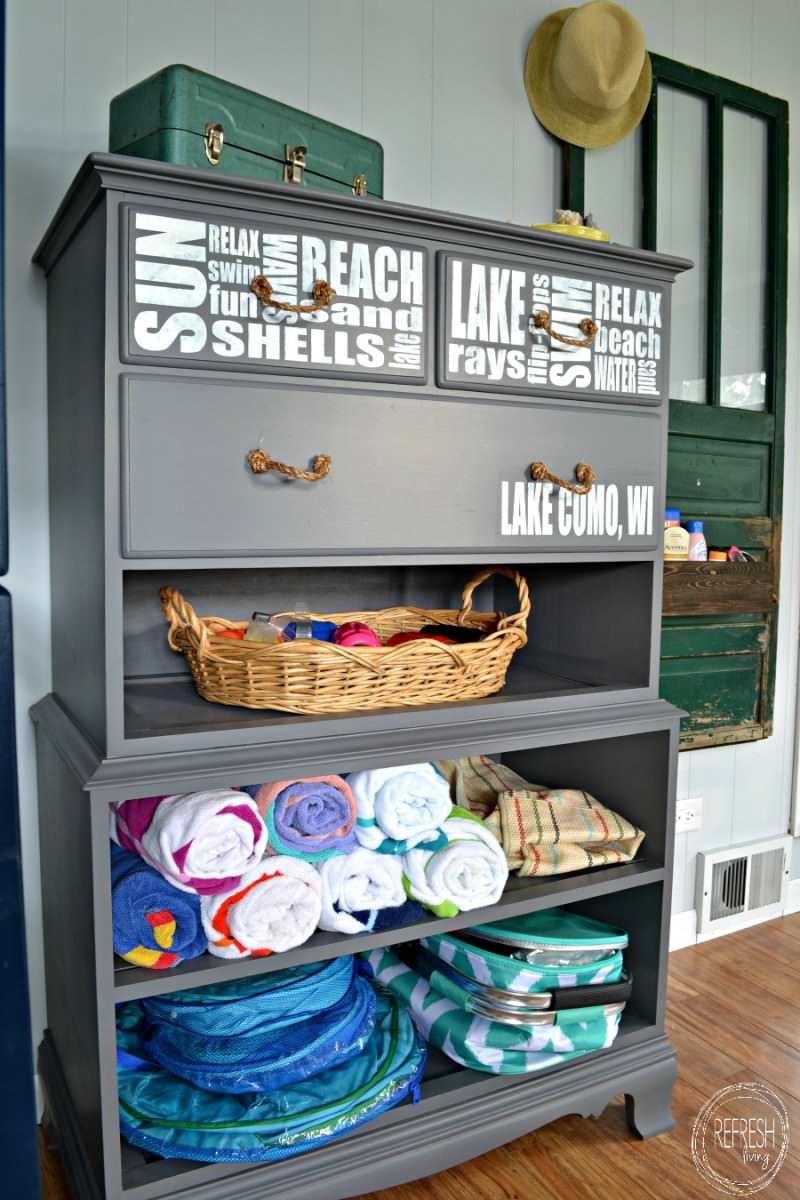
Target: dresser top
{"x": 131, "y": 178}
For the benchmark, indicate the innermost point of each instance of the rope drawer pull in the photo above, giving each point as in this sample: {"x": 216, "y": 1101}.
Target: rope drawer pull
{"x": 260, "y": 463}
{"x": 583, "y": 473}
{"x": 541, "y": 320}
{"x": 322, "y": 292}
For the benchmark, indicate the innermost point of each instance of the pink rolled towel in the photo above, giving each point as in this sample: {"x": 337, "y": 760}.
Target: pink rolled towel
{"x": 202, "y": 842}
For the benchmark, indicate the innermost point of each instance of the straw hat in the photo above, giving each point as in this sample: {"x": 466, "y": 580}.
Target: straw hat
{"x": 588, "y": 75}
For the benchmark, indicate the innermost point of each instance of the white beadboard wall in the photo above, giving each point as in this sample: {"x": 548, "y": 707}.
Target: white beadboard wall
{"x": 439, "y": 84}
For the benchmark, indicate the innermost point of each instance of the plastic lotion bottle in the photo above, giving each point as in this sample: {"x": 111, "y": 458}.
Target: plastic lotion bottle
{"x": 676, "y": 540}
{"x": 698, "y": 550}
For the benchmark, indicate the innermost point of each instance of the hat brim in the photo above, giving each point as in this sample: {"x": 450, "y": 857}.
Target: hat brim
{"x": 601, "y": 129}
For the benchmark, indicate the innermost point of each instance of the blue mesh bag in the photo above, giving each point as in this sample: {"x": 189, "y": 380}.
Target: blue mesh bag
{"x": 242, "y": 1005}
{"x": 172, "y": 1118}
{"x": 254, "y": 1035}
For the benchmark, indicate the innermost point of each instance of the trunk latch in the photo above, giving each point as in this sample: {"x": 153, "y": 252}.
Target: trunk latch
{"x": 214, "y": 136}
{"x": 295, "y": 164}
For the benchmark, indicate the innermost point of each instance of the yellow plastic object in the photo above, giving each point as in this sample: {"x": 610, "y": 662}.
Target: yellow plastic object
{"x": 581, "y": 231}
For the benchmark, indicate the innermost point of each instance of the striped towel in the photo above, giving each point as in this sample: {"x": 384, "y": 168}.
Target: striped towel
{"x": 310, "y": 818}
{"x": 475, "y": 783}
{"x": 543, "y": 831}
{"x": 550, "y": 831}
{"x": 468, "y": 872}
{"x": 357, "y": 886}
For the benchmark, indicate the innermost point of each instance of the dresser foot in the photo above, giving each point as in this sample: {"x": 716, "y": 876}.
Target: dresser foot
{"x": 648, "y": 1109}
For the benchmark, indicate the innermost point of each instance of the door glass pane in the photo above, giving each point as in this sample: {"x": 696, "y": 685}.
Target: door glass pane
{"x": 613, "y": 189}
{"x": 744, "y": 258}
{"x": 682, "y": 228}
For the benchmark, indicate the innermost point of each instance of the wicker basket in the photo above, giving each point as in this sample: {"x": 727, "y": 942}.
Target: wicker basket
{"x": 311, "y": 676}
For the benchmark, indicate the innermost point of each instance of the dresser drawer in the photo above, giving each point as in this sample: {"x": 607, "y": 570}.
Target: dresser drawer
{"x": 515, "y": 325}
{"x": 407, "y": 474}
{"x": 186, "y": 296}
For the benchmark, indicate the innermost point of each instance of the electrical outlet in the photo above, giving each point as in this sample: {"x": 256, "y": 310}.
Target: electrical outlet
{"x": 688, "y": 814}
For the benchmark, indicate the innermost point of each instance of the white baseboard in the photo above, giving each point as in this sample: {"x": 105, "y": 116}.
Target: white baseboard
{"x": 682, "y": 929}
{"x": 683, "y": 925}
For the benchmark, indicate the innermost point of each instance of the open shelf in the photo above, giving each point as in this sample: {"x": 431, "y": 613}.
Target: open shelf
{"x": 627, "y": 773}
{"x": 446, "y": 1089}
{"x": 521, "y": 895}
{"x": 589, "y": 636}
{"x": 167, "y": 705}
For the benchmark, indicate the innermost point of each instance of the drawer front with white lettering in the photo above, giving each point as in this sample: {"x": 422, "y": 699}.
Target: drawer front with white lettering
{"x": 534, "y": 328}
{"x": 382, "y": 473}
{"x": 271, "y": 295}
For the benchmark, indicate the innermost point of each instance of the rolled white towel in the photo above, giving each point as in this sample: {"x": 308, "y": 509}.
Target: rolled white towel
{"x": 469, "y": 872}
{"x": 357, "y": 882}
{"x": 399, "y": 807}
{"x": 275, "y": 907}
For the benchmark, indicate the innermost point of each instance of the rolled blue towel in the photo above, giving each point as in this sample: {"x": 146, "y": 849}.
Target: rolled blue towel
{"x": 380, "y": 920}
{"x": 153, "y": 924}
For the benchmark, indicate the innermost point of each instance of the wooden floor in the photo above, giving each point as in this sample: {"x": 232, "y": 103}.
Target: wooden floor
{"x": 733, "y": 1017}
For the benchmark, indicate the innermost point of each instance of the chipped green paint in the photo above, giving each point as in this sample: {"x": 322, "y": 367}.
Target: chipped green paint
{"x": 691, "y": 637}
{"x": 721, "y": 690}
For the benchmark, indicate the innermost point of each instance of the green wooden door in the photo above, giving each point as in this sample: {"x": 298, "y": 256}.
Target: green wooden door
{"x": 725, "y": 460}
{"x": 711, "y": 184}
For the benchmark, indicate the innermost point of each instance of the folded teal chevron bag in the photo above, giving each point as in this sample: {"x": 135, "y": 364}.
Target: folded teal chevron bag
{"x": 555, "y": 936}
{"x": 173, "y": 1118}
{"x": 536, "y": 952}
{"x": 560, "y": 1006}
{"x": 487, "y": 1045}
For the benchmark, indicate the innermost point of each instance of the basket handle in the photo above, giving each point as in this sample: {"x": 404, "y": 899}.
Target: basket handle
{"x": 179, "y": 613}
{"x": 260, "y": 463}
{"x": 541, "y": 320}
{"x": 517, "y": 621}
{"x": 322, "y": 292}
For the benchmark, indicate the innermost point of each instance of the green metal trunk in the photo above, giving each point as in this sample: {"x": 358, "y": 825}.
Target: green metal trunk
{"x": 184, "y": 116}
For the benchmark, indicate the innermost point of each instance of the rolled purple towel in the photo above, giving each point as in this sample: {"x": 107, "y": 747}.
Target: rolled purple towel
{"x": 308, "y": 818}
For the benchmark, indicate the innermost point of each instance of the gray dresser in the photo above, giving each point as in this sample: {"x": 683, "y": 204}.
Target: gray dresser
{"x": 433, "y": 386}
